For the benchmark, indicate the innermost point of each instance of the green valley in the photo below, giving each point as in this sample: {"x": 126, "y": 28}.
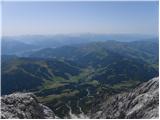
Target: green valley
{"x": 76, "y": 75}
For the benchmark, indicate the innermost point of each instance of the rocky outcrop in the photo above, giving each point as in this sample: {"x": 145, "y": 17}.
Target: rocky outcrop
{"x": 24, "y": 105}
{"x": 142, "y": 102}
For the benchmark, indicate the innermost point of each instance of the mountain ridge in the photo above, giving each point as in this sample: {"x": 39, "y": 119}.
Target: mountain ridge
{"x": 76, "y": 75}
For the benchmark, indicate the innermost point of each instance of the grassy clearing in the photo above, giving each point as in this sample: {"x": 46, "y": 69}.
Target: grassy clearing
{"x": 125, "y": 84}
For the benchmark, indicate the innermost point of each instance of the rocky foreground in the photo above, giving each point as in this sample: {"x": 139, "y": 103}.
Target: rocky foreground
{"x": 142, "y": 102}
{"x": 24, "y": 105}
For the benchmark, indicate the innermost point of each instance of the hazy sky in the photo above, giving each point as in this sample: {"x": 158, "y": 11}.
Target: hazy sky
{"x": 19, "y": 18}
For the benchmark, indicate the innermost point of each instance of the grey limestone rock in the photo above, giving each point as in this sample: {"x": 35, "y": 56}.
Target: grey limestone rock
{"x": 140, "y": 103}
{"x": 23, "y": 106}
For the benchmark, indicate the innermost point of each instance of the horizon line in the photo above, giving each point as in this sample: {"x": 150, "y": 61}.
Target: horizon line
{"x": 75, "y": 34}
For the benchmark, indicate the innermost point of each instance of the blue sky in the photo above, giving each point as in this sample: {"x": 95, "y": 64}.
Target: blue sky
{"x": 20, "y": 18}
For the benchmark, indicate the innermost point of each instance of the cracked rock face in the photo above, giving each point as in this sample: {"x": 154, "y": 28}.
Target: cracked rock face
{"x": 24, "y": 106}
{"x": 142, "y": 102}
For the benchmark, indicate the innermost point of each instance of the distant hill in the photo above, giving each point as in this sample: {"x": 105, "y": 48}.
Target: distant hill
{"x": 75, "y": 74}
{"x": 97, "y": 52}
{"x": 20, "y": 74}
{"x": 24, "y": 44}
{"x": 13, "y": 47}
{"x": 111, "y": 62}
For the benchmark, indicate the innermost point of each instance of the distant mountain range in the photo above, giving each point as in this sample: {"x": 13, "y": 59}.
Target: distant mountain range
{"x": 20, "y": 44}
{"x": 100, "y": 50}
{"x": 74, "y": 74}
{"x": 11, "y": 47}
